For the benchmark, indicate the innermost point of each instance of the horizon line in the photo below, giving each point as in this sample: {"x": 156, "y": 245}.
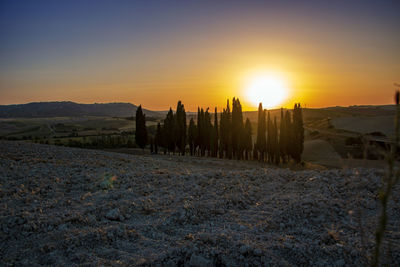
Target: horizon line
{"x": 304, "y": 106}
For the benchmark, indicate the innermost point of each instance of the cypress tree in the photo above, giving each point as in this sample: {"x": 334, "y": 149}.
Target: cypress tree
{"x": 158, "y": 138}
{"x": 289, "y": 135}
{"x": 207, "y": 131}
{"x": 301, "y": 128}
{"x": 180, "y": 127}
{"x": 200, "y": 131}
{"x": 151, "y": 145}
{"x": 215, "y": 136}
{"x": 225, "y": 131}
{"x": 198, "y": 134}
{"x": 298, "y": 133}
{"x": 192, "y": 137}
{"x": 248, "y": 143}
{"x": 261, "y": 131}
{"x": 269, "y": 139}
{"x": 204, "y": 129}
{"x": 255, "y": 152}
{"x": 282, "y": 137}
{"x": 294, "y": 145}
{"x": 275, "y": 142}
{"x": 237, "y": 129}
{"x": 222, "y": 134}
{"x": 169, "y": 130}
{"x": 141, "y": 131}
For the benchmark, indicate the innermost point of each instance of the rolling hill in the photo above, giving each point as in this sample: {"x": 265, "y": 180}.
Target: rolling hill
{"x": 70, "y": 109}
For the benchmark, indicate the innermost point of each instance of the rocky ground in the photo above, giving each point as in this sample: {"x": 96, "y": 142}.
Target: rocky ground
{"x": 65, "y": 206}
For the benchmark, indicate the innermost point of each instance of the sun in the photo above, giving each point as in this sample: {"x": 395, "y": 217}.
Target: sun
{"x": 269, "y": 89}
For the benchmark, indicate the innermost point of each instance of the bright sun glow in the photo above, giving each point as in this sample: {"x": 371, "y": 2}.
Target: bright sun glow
{"x": 269, "y": 89}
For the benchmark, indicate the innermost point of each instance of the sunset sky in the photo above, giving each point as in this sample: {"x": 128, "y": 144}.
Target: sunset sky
{"x": 154, "y": 53}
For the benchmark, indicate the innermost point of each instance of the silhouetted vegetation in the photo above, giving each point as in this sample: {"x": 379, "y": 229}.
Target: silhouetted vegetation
{"x": 297, "y": 133}
{"x": 247, "y": 141}
{"x": 180, "y": 128}
{"x": 219, "y": 135}
{"x": 225, "y": 133}
{"x": 141, "y": 131}
{"x": 229, "y": 137}
{"x": 192, "y": 136}
{"x": 215, "y": 136}
{"x": 261, "y": 144}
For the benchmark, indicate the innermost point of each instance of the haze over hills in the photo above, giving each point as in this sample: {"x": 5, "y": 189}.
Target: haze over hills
{"x": 71, "y": 109}
{"x": 123, "y": 109}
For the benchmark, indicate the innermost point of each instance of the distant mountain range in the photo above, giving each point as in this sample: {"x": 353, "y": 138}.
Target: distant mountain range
{"x": 71, "y": 109}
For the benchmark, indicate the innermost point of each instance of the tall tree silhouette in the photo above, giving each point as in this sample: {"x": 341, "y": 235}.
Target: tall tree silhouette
{"x": 215, "y": 135}
{"x": 298, "y": 133}
{"x": 151, "y": 145}
{"x": 158, "y": 142}
{"x": 169, "y": 126}
{"x": 200, "y": 131}
{"x": 207, "y": 131}
{"x": 222, "y": 134}
{"x": 270, "y": 148}
{"x": 275, "y": 143}
{"x": 282, "y": 137}
{"x": 289, "y": 135}
{"x": 180, "y": 127}
{"x": 248, "y": 142}
{"x": 237, "y": 129}
{"x": 192, "y": 133}
{"x": 225, "y": 131}
{"x": 141, "y": 131}
{"x": 261, "y": 133}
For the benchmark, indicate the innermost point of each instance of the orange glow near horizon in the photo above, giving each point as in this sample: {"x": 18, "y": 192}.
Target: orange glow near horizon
{"x": 310, "y": 81}
{"x": 311, "y": 89}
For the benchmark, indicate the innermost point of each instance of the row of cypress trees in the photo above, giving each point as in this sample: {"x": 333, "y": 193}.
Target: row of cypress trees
{"x": 235, "y": 136}
{"x": 281, "y": 145}
{"x": 172, "y": 136}
{"x": 229, "y": 137}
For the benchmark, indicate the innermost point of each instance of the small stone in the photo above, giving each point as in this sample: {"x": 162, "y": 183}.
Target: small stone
{"x": 62, "y": 227}
{"x": 244, "y": 249}
{"x": 199, "y": 261}
{"x": 113, "y": 215}
{"x": 340, "y": 263}
{"x": 257, "y": 252}
{"x": 91, "y": 219}
{"x": 287, "y": 244}
{"x": 110, "y": 235}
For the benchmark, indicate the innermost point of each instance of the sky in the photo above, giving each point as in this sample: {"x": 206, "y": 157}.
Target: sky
{"x": 155, "y": 53}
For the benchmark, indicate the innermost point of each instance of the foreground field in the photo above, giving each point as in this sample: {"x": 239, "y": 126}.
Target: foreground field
{"x": 65, "y": 206}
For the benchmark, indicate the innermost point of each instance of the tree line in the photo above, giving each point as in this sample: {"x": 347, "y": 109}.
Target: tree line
{"x": 227, "y": 135}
